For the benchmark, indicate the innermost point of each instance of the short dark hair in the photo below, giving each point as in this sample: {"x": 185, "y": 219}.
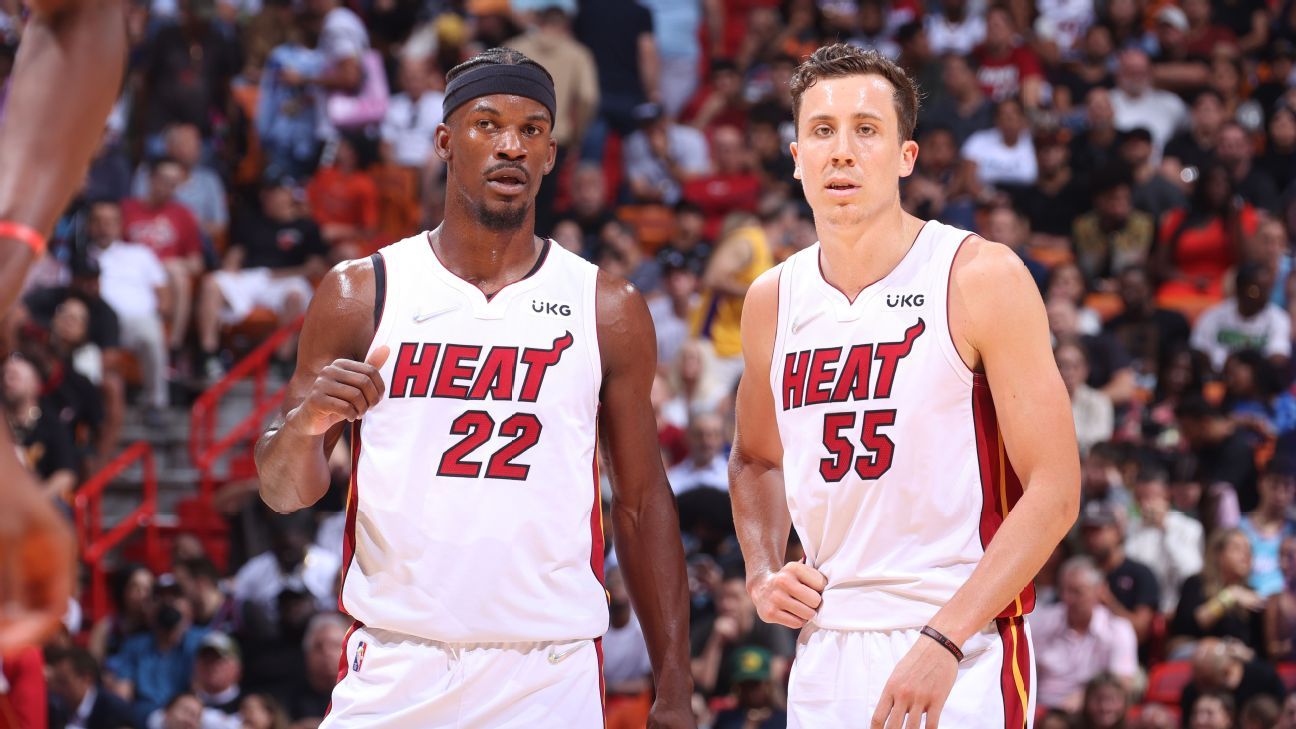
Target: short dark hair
{"x": 163, "y": 160}
{"x": 201, "y": 568}
{"x": 839, "y": 60}
{"x": 83, "y": 664}
{"x": 496, "y": 57}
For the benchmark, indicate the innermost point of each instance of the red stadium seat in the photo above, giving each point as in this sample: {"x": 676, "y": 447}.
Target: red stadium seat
{"x": 1287, "y": 671}
{"x": 1166, "y": 682}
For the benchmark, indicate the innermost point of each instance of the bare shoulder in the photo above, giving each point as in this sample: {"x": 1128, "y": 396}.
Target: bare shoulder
{"x": 760, "y": 312}
{"x": 625, "y": 328}
{"x": 341, "y": 314}
{"x": 987, "y": 275}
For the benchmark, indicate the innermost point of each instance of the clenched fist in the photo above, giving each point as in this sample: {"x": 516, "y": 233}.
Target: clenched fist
{"x": 790, "y": 596}
{"x": 343, "y": 391}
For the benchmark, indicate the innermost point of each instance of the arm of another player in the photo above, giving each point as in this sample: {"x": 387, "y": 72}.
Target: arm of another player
{"x": 645, "y": 523}
{"x": 996, "y": 310}
{"x": 330, "y": 387}
{"x": 784, "y": 593}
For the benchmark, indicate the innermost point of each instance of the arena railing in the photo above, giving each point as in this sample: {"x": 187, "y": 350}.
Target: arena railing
{"x": 94, "y": 542}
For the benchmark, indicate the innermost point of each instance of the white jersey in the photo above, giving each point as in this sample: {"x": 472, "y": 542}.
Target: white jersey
{"x": 474, "y": 515}
{"x": 895, "y": 472}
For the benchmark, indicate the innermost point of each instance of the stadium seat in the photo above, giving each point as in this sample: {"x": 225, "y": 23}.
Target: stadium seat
{"x": 1166, "y": 682}
{"x": 1287, "y": 671}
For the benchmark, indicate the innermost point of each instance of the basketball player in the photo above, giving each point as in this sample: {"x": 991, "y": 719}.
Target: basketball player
{"x": 71, "y": 50}
{"x": 901, "y": 408}
{"x": 477, "y": 365}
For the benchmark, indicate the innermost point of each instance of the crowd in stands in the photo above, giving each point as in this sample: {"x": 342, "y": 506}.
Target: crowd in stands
{"x": 1139, "y": 155}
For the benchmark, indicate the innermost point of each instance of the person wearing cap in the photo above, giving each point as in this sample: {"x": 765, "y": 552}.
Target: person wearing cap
{"x": 752, "y": 680}
{"x": 473, "y": 555}
{"x": 217, "y": 671}
{"x": 1078, "y": 637}
{"x": 1132, "y": 590}
{"x": 1272, "y": 521}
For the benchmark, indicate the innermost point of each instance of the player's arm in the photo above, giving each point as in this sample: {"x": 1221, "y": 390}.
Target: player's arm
{"x": 331, "y": 387}
{"x": 787, "y": 594}
{"x": 645, "y": 524}
{"x": 996, "y": 311}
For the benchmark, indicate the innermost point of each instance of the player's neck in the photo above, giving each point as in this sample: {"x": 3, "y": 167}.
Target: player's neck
{"x": 488, "y": 259}
{"x": 857, "y": 256}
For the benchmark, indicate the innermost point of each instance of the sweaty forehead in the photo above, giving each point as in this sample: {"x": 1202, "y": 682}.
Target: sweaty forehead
{"x": 846, "y": 96}
{"x": 505, "y": 106}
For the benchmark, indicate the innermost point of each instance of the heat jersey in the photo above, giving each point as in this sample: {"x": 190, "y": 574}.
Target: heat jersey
{"x": 473, "y": 514}
{"x": 895, "y": 472}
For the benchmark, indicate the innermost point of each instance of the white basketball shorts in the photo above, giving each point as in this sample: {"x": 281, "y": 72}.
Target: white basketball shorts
{"x": 838, "y": 676}
{"x": 395, "y": 681}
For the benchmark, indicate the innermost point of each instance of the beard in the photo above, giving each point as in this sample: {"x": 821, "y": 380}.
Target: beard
{"x": 506, "y": 219}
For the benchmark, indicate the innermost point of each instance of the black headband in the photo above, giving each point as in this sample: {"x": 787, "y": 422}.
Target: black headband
{"x": 524, "y": 80}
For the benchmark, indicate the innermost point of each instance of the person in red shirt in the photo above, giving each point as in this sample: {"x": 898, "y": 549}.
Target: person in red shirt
{"x": 22, "y": 690}
{"x": 344, "y": 203}
{"x": 721, "y": 102}
{"x": 731, "y": 187}
{"x": 1005, "y": 66}
{"x": 168, "y": 227}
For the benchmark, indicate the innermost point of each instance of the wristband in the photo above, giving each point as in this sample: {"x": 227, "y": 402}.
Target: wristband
{"x": 25, "y": 234}
{"x": 946, "y": 643}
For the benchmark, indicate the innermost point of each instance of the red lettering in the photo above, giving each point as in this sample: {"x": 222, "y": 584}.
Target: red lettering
{"x": 821, "y": 373}
{"x": 890, "y": 354}
{"x": 453, "y": 369}
{"x": 538, "y": 361}
{"x": 410, "y": 369}
{"x": 496, "y": 376}
{"x": 794, "y": 379}
{"x": 853, "y": 382}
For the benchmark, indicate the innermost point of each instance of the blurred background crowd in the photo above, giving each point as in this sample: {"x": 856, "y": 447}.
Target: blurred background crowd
{"x": 1139, "y": 155}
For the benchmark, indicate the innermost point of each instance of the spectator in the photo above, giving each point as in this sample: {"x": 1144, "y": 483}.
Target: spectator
{"x": 260, "y": 711}
{"x": 1279, "y": 159}
{"x": 1092, "y": 410}
{"x": 1260, "y": 712}
{"x": 1101, "y": 479}
{"x": 964, "y": 106}
{"x": 1252, "y": 183}
{"x": 1224, "y": 453}
{"x": 1007, "y": 225}
{"x": 1078, "y": 638}
{"x": 22, "y": 689}
{"x": 1148, "y": 332}
{"x": 186, "y": 68}
{"x": 753, "y": 683}
{"x": 343, "y": 42}
{"x": 687, "y": 246}
{"x": 707, "y": 465}
{"x": 717, "y": 639}
{"x": 1197, "y": 245}
{"x": 671, "y": 307}
{"x": 200, "y": 582}
{"x": 1245, "y": 320}
{"x": 1280, "y": 611}
{"x": 619, "y": 34}
{"x": 1132, "y": 591}
{"x": 1006, "y": 67}
{"x": 1212, "y": 711}
{"x": 133, "y": 281}
{"x": 1089, "y": 67}
{"x": 1288, "y": 718}
{"x": 620, "y": 254}
{"x": 1138, "y": 105}
{"x": 344, "y": 199}
{"x": 1113, "y": 236}
{"x": 662, "y": 156}
{"x": 1004, "y": 155}
{"x": 589, "y": 204}
{"x": 155, "y": 667}
{"x": 1057, "y": 198}
{"x": 721, "y": 103}
{"x": 550, "y": 42}
{"x": 1271, "y": 523}
{"x": 216, "y": 673}
{"x": 324, "y": 640}
{"x": 1217, "y": 603}
{"x": 413, "y": 115}
{"x": 1272, "y": 249}
{"x": 202, "y": 193}
{"x": 953, "y": 30}
{"x": 1094, "y": 147}
{"x": 131, "y": 589}
{"x": 626, "y": 668}
{"x": 43, "y": 441}
{"x": 1067, "y": 282}
{"x": 292, "y": 562}
{"x": 1106, "y": 701}
{"x": 287, "y": 112}
{"x": 166, "y": 226}
{"x": 1195, "y": 147}
{"x": 730, "y": 187}
{"x": 1230, "y": 671}
{"x": 941, "y": 187}
{"x": 77, "y": 698}
{"x": 1167, "y": 541}
{"x": 676, "y": 26}
{"x": 1155, "y": 716}
{"x": 270, "y": 261}
{"x": 1153, "y": 192}
{"x": 184, "y": 711}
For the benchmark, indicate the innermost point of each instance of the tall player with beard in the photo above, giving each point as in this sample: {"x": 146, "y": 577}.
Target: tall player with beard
{"x": 901, "y": 408}
{"x": 478, "y": 368}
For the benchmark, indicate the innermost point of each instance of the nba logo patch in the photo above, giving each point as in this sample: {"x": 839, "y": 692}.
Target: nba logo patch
{"x": 359, "y": 657}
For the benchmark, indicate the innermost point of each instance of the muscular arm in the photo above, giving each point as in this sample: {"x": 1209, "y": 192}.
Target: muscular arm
{"x": 292, "y": 455}
{"x": 645, "y": 523}
{"x": 997, "y": 313}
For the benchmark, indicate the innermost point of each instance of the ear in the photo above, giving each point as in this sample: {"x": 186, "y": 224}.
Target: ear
{"x": 441, "y": 142}
{"x": 908, "y": 157}
{"x": 552, "y": 159}
{"x": 796, "y": 160}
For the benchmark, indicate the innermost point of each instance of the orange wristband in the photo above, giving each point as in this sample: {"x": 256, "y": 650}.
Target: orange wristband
{"x": 25, "y": 234}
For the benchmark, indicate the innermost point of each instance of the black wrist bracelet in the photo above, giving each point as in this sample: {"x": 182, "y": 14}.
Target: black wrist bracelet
{"x": 948, "y": 644}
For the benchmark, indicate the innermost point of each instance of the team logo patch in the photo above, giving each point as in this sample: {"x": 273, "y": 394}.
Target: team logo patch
{"x": 359, "y": 657}
{"x": 894, "y": 300}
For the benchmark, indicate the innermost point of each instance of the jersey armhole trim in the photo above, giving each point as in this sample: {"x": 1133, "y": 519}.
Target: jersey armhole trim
{"x": 380, "y": 289}
{"x": 782, "y": 312}
{"x": 591, "y": 331}
{"x": 955, "y": 360}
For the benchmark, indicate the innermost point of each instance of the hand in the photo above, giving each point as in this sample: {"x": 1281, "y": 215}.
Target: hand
{"x": 920, "y": 684}
{"x": 36, "y": 563}
{"x": 344, "y": 390}
{"x": 790, "y": 596}
{"x": 725, "y": 629}
{"x": 671, "y": 714}
{"x": 1247, "y": 598}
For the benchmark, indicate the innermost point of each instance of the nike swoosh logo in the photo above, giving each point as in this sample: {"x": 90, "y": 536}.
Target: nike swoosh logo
{"x": 555, "y": 657}
{"x": 423, "y": 316}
